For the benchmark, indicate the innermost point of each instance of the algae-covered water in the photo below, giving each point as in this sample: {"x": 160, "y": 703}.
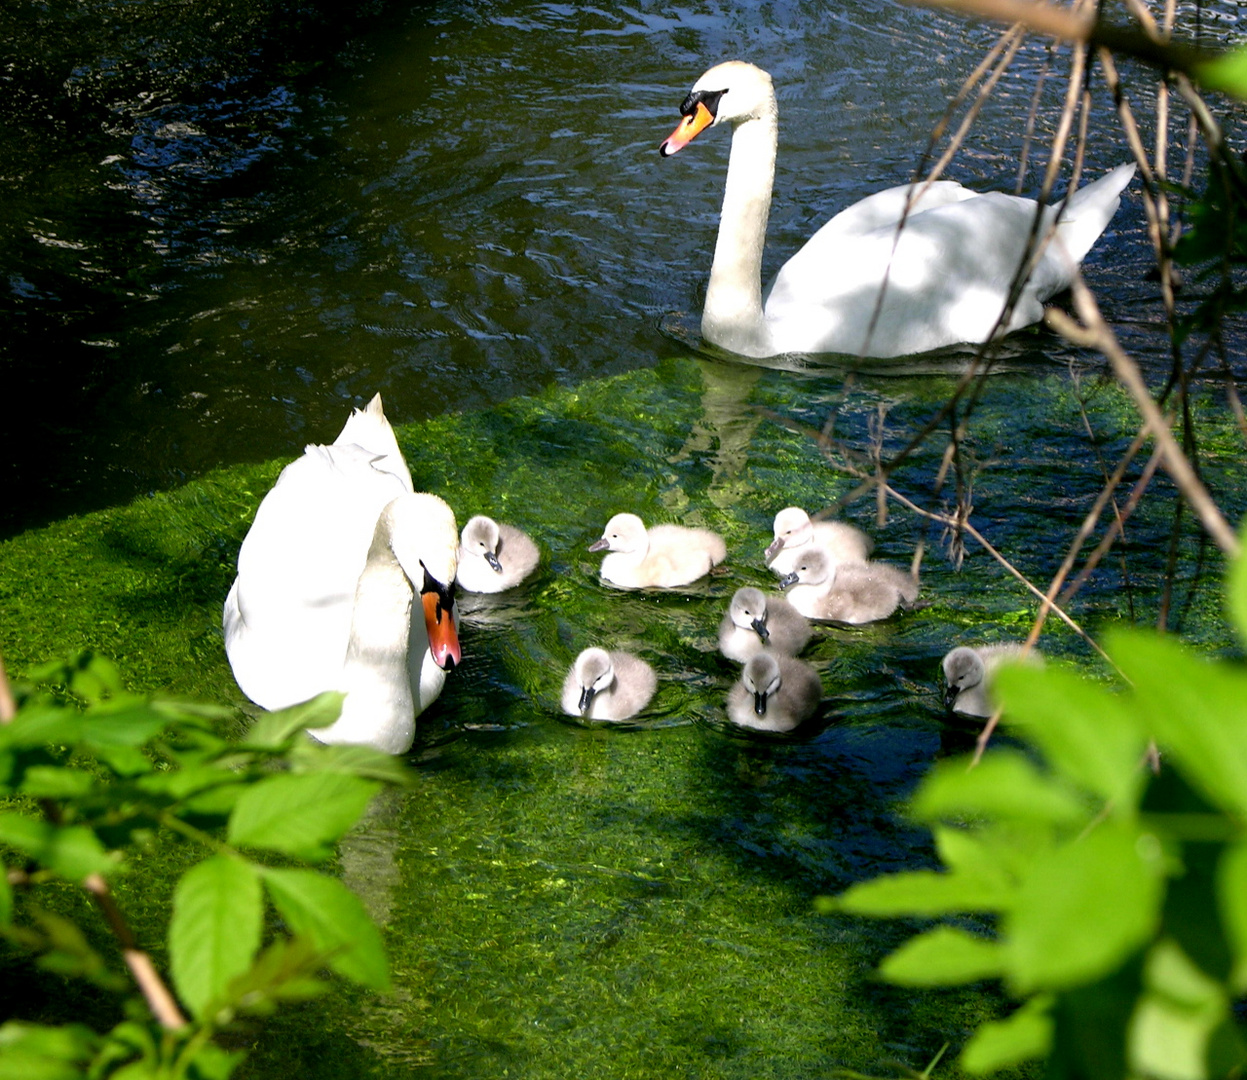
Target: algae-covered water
{"x": 632, "y": 900}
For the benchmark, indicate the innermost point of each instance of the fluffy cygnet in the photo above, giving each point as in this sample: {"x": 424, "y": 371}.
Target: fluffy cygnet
{"x": 795, "y": 534}
{"x": 851, "y": 592}
{"x": 608, "y": 685}
{"x": 663, "y": 557}
{"x": 775, "y": 693}
{"x": 969, "y": 671}
{"x": 494, "y": 556}
{"x": 757, "y": 623}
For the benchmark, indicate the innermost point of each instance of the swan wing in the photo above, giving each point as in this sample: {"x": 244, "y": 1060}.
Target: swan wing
{"x": 947, "y": 275}
{"x": 288, "y": 616}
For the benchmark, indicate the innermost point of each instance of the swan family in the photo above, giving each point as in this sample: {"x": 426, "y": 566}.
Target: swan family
{"x": 905, "y": 270}
{"x": 347, "y": 577}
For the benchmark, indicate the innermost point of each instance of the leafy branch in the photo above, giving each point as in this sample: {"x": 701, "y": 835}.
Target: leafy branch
{"x": 88, "y": 771}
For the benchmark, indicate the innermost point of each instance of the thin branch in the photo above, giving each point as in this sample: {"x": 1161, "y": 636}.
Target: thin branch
{"x": 8, "y": 706}
{"x": 1097, "y": 334}
{"x": 153, "y": 987}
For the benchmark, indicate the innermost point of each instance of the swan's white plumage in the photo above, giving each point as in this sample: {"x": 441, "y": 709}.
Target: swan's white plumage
{"x": 494, "y": 556}
{"x": 774, "y": 693}
{"x": 794, "y": 532}
{"x": 755, "y": 622}
{"x": 849, "y": 592}
{"x": 970, "y": 670}
{"x": 604, "y": 685}
{"x": 290, "y": 619}
{"x": 947, "y": 276}
{"x": 660, "y": 557}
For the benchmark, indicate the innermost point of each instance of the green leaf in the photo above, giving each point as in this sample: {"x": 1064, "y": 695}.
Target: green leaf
{"x": 42, "y": 725}
{"x": 922, "y": 892}
{"x": 131, "y": 723}
{"x": 1236, "y": 581}
{"x": 1005, "y": 784}
{"x": 70, "y": 954}
{"x": 274, "y": 729}
{"x": 308, "y": 756}
{"x": 300, "y": 815}
{"x": 215, "y": 929}
{"x": 1176, "y": 1017}
{"x": 1226, "y": 72}
{"x": 999, "y": 1044}
{"x": 36, "y": 1052}
{"x": 1085, "y": 732}
{"x": 71, "y": 851}
{"x": 1197, "y": 710}
{"x": 6, "y": 897}
{"x": 1083, "y": 908}
{"x": 210, "y": 1062}
{"x": 1232, "y": 904}
{"x": 328, "y": 914}
{"x": 56, "y": 782}
{"x": 944, "y": 956}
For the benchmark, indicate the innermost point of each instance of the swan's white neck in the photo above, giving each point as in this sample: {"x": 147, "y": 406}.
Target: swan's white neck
{"x": 732, "y": 317}
{"x": 378, "y": 710}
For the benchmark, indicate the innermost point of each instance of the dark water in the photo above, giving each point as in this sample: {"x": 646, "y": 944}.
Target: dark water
{"x": 222, "y": 227}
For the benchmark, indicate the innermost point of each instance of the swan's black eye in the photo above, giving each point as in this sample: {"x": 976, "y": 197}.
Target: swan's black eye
{"x": 709, "y": 98}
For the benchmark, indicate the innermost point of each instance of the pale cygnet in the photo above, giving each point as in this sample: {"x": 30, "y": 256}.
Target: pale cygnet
{"x": 494, "y": 556}
{"x": 775, "y": 693}
{"x": 605, "y": 685}
{"x": 663, "y": 557}
{"x": 969, "y": 671}
{"x": 795, "y": 533}
{"x": 757, "y": 623}
{"x": 851, "y": 592}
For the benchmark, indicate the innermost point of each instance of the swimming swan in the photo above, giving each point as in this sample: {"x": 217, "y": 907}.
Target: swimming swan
{"x": 969, "y": 671}
{"x": 663, "y": 557}
{"x": 756, "y": 623}
{"x": 851, "y": 592}
{"x": 794, "y": 532}
{"x": 775, "y": 693}
{"x": 605, "y": 685}
{"x": 494, "y": 556}
{"x": 947, "y": 279}
{"x": 327, "y": 577}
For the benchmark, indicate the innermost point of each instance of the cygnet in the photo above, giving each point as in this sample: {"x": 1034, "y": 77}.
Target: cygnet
{"x": 663, "y": 557}
{"x": 757, "y": 623}
{"x": 605, "y": 685}
{"x": 494, "y": 556}
{"x": 795, "y": 533}
{"x": 969, "y": 671}
{"x": 849, "y": 593}
{"x": 775, "y": 693}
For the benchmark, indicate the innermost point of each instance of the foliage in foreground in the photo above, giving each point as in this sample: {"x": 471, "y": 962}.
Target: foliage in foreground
{"x": 90, "y": 773}
{"x": 1117, "y": 894}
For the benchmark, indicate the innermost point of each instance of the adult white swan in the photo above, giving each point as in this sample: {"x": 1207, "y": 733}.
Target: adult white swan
{"x": 327, "y": 576}
{"x": 947, "y": 278}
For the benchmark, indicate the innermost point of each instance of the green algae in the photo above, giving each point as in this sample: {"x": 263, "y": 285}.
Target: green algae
{"x": 566, "y": 901}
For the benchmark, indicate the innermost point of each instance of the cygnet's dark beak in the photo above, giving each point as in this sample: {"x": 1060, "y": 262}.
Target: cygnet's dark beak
{"x": 759, "y": 702}
{"x": 759, "y": 628}
{"x": 788, "y": 579}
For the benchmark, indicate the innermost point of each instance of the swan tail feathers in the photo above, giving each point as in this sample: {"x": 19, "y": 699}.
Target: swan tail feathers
{"x": 368, "y": 428}
{"x": 1091, "y": 208}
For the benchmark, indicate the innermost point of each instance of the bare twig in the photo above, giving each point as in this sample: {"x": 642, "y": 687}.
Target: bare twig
{"x": 8, "y": 706}
{"x": 1097, "y": 334}
{"x": 153, "y": 987}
